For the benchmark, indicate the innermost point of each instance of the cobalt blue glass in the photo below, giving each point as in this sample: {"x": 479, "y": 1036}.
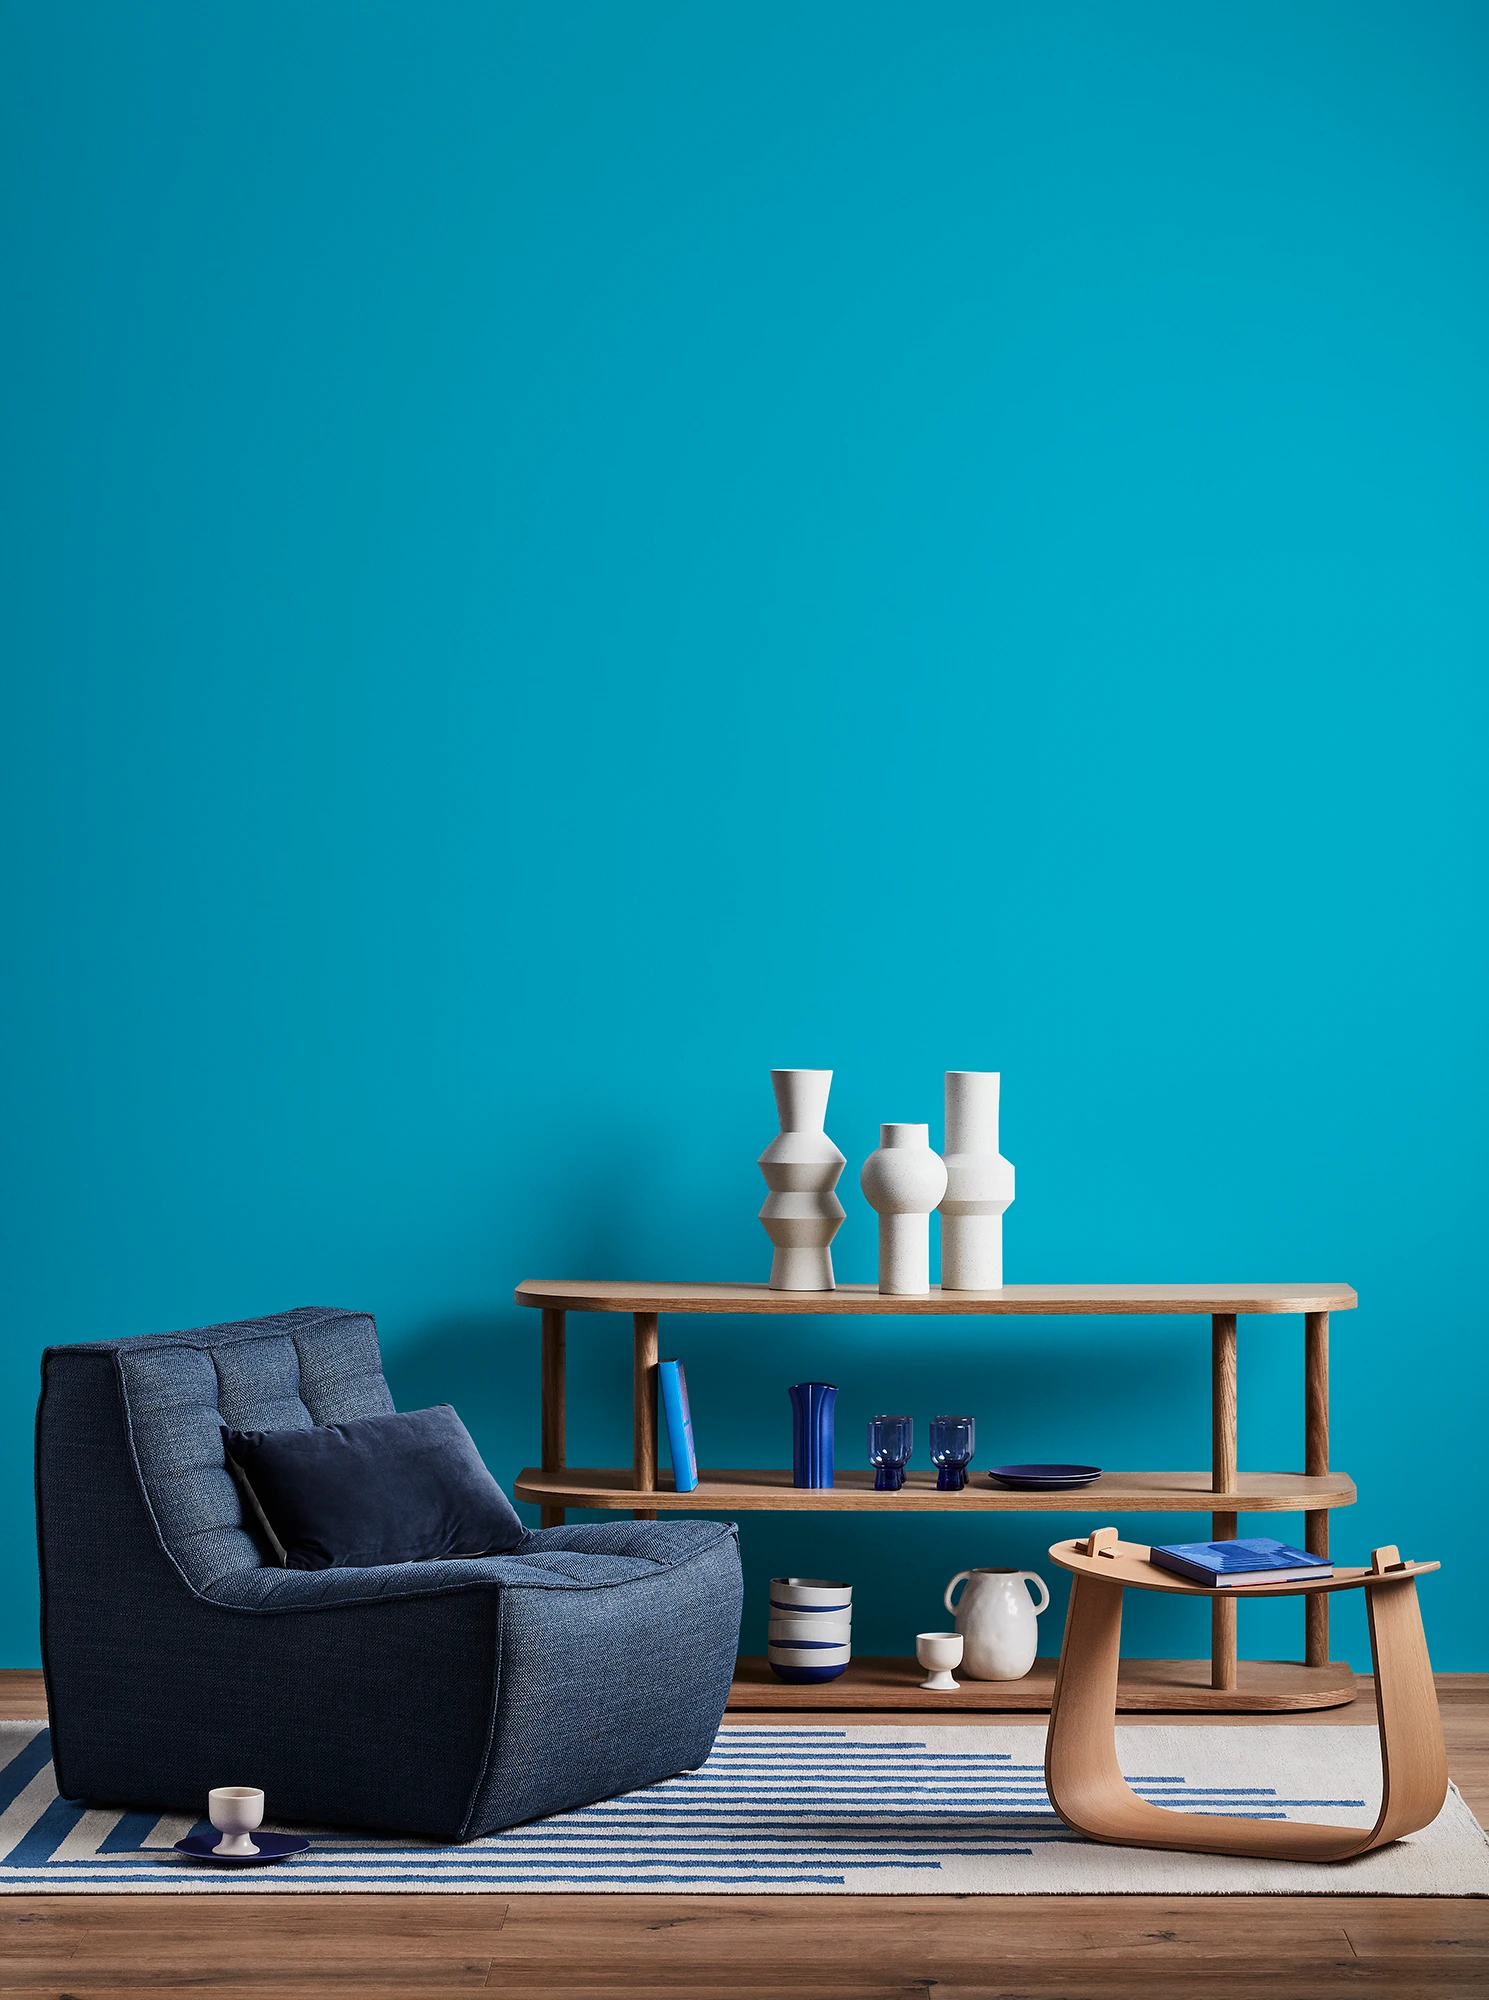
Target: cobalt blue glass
{"x": 891, "y": 1440}
{"x": 811, "y": 1432}
{"x": 953, "y": 1440}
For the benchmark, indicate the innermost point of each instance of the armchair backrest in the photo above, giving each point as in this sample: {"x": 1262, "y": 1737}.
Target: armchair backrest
{"x": 173, "y": 1393}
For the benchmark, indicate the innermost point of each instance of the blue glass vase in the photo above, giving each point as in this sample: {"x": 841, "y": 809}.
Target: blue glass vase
{"x": 812, "y": 1405}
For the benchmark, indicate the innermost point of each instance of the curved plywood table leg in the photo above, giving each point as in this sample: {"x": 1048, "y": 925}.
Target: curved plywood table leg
{"x": 1085, "y": 1781}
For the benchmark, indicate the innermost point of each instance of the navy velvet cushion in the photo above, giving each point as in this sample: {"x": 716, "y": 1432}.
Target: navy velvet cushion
{"x": 409, "y": 1487}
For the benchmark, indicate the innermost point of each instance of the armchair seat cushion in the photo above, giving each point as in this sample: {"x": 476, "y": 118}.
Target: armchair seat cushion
{"x": 579, "y": 1558}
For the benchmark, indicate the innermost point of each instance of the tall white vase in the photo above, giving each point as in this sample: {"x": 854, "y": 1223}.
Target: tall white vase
{"x": 801, "y": 1167}
{"x": 904, "y": 1180}
{"x": 979, "y": 1184}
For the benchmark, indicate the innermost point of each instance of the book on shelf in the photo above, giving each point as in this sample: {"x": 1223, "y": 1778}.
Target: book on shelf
{"x": 1234, "y": 1565}
{"x": 674, "y": 1387}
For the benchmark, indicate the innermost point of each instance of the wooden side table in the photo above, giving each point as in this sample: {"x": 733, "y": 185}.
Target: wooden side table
{"x": 1081, "y": 1771}
{"x": 1223, "y": 1491}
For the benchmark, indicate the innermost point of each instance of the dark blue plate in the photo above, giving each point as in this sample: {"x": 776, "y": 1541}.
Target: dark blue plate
{"x": 271, "y": 1847}
{"x": 1043, "y": 1478}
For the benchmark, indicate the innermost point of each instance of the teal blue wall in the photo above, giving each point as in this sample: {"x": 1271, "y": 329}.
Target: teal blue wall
{"x": 559, "y": 556}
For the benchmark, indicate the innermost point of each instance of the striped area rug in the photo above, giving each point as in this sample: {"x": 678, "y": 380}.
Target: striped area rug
{"x": 868, "y": 1811}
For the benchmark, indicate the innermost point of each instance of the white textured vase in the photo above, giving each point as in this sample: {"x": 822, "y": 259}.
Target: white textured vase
{"x": 979, "y": 1184}
{"x": 801, "y": 1167}
{"x": 904, "y": 1180}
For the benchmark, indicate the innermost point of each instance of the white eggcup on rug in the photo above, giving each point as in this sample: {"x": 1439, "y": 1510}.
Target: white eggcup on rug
{"x": 903, "y": 1181}
{"x": 236, "y": 1811}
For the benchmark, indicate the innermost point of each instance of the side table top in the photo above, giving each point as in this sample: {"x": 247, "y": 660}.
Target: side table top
{"x": 625, "y": 1296}
{"x": 1129, "y": 1563}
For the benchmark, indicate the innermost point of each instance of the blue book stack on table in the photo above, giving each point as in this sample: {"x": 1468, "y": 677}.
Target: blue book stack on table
{"x": 1232, "y": 1565}
{"x": 674, "y": 1387}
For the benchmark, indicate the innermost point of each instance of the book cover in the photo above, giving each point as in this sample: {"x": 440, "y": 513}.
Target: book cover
{"x": 674, "y": 1387}
{"x": 1259, "y": 1559}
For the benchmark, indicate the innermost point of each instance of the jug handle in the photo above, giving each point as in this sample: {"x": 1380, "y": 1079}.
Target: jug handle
{"x": 1028, "y": 1576}
{"x": 962, "y": 1576}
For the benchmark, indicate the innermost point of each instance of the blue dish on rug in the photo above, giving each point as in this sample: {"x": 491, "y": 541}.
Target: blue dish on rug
{"x": 271, "y": 1847}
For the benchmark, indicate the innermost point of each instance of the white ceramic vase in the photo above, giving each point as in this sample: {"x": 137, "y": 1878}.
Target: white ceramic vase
{"x": 801, "y": 1167}
{"x": 979, "y": 1184}
{"x": 998, "y": 1622}
{"x": 904, "y": 1180}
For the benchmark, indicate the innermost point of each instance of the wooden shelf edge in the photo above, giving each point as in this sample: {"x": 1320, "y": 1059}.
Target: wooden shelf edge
{"x": 1144, "y": 1686}
{"x": 609, "y": 1490}
{"x": 622, "y": 1296}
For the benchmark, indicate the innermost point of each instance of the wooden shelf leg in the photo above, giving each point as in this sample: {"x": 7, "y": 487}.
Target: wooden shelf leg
{"x": 555, "y": 1405}
{"x": 644, "y": 1413}
{"x": 1316, "y": 1460}
{"x": 1223, "y": 1480}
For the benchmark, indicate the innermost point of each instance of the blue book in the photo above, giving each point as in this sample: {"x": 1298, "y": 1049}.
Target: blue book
{"x": 674, "y": 1387}
{"x": 1230, "y": 1565}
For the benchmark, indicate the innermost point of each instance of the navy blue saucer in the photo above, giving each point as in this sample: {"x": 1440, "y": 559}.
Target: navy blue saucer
{"x": 1044, "y": 1478}
{"x": 271, "y": 1847}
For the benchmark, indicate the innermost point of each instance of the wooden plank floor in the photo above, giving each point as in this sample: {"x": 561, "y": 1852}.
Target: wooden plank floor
{"x": 822, "y": 1947}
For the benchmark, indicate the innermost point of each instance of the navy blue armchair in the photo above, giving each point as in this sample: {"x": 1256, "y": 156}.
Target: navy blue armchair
{"x": 444, "y": 1698}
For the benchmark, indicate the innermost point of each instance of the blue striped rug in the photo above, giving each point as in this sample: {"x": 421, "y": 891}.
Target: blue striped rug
{"x": 938, "y": 1809}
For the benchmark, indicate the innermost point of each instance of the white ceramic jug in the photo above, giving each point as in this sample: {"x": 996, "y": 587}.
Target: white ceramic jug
{"x": 998, "y": 1622}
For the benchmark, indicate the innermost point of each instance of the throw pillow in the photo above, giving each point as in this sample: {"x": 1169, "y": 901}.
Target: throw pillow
{"x": 408, "y": 1487}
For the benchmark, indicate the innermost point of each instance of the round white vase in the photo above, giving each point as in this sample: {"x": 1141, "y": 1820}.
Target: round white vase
{"x": 998, "y": 1621}
{"x": 801, "y": 1165}
{"x": 979, "y": 1184}
{"x": 904, "y": 1180}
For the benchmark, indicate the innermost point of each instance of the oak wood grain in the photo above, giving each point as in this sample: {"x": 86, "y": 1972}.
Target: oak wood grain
{"x": 555, "y": 1435}
{"x": 644, "y": 1411}
{"x": 1128, "y": 1563}
{"x": 1084, "y": 1777}
{"x": 894, "y": 1685}
{"x": 769, "y": 1488}
{"x": 1223, "y": 1522}
{"x": 576, "y": 1947}
{"x": 616, "y": 1296}
{"x": 1316, "y": 1460}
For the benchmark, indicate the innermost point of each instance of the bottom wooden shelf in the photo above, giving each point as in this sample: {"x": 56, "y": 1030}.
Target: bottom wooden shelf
{"x": 1159, "y": 1685}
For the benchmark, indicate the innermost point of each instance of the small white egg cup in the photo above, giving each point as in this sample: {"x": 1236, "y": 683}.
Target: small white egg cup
{"x": 236, "y": 1811}
{"x": 939, "y": 1651}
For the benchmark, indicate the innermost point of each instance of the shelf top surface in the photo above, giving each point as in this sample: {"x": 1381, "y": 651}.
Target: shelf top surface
{"x": 1130, "y": 1564}
{"x": 771, "y": 1488}
{"x": 627, "y": 1296}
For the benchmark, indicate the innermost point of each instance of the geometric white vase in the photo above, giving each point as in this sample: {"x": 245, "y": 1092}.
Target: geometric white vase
{"x": 801, "y": 1167}
{"x": 904, "y": 1180}
{"x": 979, "y": 1184}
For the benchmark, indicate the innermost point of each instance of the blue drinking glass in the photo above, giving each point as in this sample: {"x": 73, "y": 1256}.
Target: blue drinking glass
{"x": 891, "y": 1440}
{"x": 953, "y": 1440}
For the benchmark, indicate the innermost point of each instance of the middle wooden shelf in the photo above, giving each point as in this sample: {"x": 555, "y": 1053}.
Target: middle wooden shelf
{"x": 769, "y": 1488}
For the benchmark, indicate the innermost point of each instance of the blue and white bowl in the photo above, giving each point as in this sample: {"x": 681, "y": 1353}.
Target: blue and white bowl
{"x": 809, "y": 1593}
{"x": 811, "y": 1624}
{"x": 832, "y": 1629}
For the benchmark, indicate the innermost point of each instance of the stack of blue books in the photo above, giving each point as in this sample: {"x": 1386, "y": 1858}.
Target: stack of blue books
{"x": 1230, "y": 1565}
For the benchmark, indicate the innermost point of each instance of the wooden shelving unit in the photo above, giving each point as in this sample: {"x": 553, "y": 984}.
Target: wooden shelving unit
{"x": 1221, "y": 1685}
